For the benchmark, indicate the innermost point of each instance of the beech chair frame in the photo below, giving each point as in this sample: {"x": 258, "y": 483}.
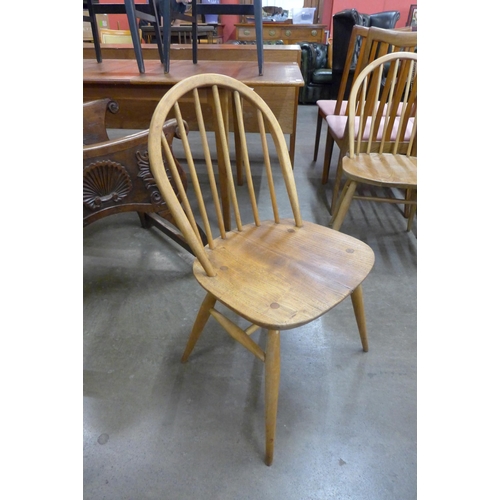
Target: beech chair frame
{"x": 276, "y": 272}
{"x": 382, "y": 134}
{"x": 378, "y": 42}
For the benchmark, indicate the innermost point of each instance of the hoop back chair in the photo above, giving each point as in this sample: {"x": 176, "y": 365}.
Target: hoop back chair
{"x": 382, "y": 132}
{"x": 267, "y": 265}
{"x": 170, "y": 12}
{"x": 378, "y": 42}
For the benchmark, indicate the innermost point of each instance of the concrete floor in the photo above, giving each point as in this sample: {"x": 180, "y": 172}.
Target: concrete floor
{"x": 157, "y": 429}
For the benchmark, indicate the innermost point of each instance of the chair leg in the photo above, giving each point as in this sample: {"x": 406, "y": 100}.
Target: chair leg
{"x": 134, "y": 32}
{"x": 319, "y": 124}
{"x": 95, "y": 31}
{"x": 406, "y": 208}
{"x": 412, "y": 211}
{"x": 336, "y": 184}
{"x": 359, "y": 313}
{"x": 335, "y": 209}
{"x": 199, "y": 324}
{"x": 344, "y": 202}
{"x": 259, "y": 35}
{"x": 167, "y": 18}
{"x": 272, "y": 382}
{"x": 327, "y": 158}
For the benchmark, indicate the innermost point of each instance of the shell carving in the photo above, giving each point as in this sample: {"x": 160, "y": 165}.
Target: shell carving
{"x": 105, "y": 181}
{"x": 146, "y": 175}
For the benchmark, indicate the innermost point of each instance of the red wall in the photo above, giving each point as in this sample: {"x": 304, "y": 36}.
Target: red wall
{"x": 114, "y": 19}
{"x": 330, "y": 8}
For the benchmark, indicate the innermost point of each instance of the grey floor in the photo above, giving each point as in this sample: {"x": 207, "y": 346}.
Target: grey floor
{"x": 158, "y": 429}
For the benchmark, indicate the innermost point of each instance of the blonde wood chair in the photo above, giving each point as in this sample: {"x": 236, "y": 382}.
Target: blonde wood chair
{"x": 264, "y": 263}
{"x": 382, "y": 132}
{"x": 378, "y": 42}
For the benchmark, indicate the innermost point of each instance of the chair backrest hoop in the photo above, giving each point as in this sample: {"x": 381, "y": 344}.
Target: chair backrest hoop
{"x": 180, "y": 208}
{"x": 371, "y": 87}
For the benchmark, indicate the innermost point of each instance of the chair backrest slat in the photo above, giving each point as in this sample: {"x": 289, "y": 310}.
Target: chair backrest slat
{"x": 383, "y": 106}
{"x": 267, "y": 163}
{"x": 359, "y": 35}
{"x": 210, "y": 169}
{"x": 383, "y": 41}
{"x": 223, "y": 151}
{"x": 194, "y": 179}
{"x": 244, "y": 155}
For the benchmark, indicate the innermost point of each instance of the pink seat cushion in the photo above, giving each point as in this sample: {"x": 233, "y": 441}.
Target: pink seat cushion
{"x": 327, "y": 107}
{"x": 337, "y": 125}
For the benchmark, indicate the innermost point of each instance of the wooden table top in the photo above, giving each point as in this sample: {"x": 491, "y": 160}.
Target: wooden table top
{"x": 124, "y": 71}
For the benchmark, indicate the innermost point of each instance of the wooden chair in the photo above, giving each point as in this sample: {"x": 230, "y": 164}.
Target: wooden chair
{"x": 263, "y": 263}
{"x": 170, "y": 12}
{"x": 378, "y": 42}
{"x": 116, "y": 173}
{"x": 382, "y": 142}
{"x": 338, "y": 106}
{"x": 148, "y": 12}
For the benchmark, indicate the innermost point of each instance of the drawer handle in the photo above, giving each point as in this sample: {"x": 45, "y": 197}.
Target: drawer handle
{"x": 272, "y": 32}
{"x": 314, "y": 32}
{"x": 246, "y": 32}
{"x": 288, "y": 32}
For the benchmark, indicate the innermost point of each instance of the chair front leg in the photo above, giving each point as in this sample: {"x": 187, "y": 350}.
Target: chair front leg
{"x": 359, "y": 313}
{"x": 338, "y": 180}
{"x": 412, "y": 209}
{"x": 328, "y": 158}
{"x": 319, "y": 124}
{"x": 272, "y": 382}
{"x": 199, "y": 324}
{"x": 345, "y": 202}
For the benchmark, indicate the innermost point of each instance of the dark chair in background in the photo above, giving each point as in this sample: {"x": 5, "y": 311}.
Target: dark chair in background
{"x": 321, "y": 82}
{"x": 318, "y": 83}
{"x": 146, "y": 12}
{"x": 172, "y": 10}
